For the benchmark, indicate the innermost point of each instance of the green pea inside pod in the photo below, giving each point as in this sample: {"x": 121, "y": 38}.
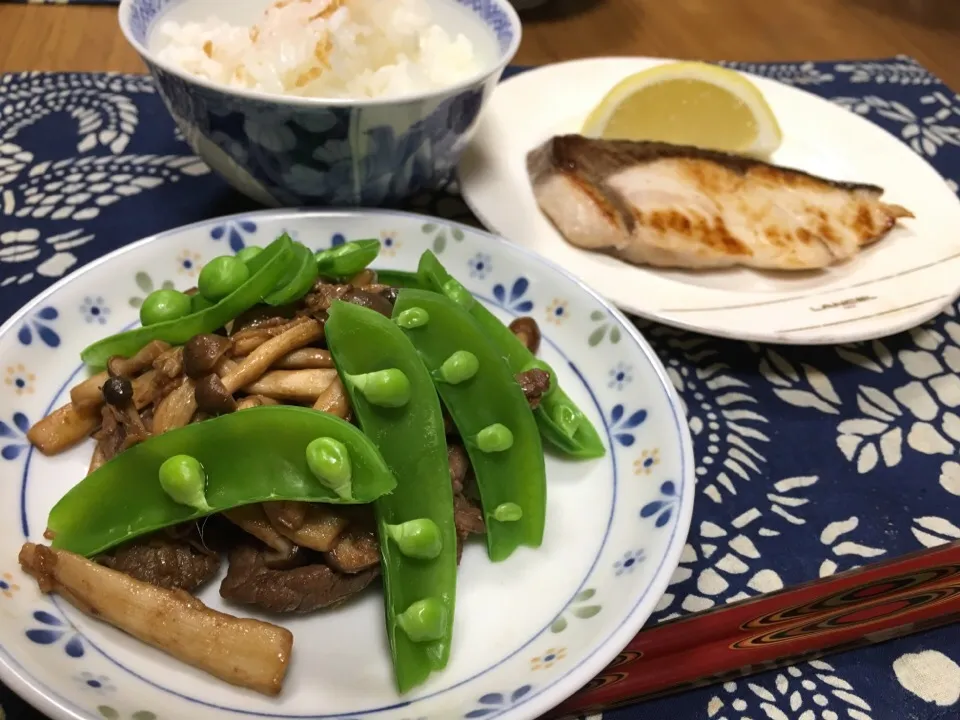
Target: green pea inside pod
{"x": 412, "y": 318}
{"x": 329, "y": 461}
{"x": 248, "y": 253}
{"x": 199, "y": 303}
{"x": 183, "y": 479}
{"x": 386, "y": 388}
{"x": 566, "y": 418}
{"x": 298, "y": 281}
{"x": 459, "y": 294}
{"x": 347, "y": 259}
{"x": 221, "y": 276}
{"x": 164, "y": 305}
{"x": 507, "y": 512}
{"x": 424, "y": 620}
{"x": 494, "y": 438}
{"x": 459, "y": 367}
{"x": 417, "y": 538}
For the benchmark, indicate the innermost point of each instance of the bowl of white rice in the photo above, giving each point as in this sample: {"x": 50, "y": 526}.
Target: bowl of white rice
{"x": 325, "y": 102}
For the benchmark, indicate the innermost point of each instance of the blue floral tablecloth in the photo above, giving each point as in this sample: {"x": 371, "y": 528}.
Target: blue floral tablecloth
{"x": 91, "y": 162}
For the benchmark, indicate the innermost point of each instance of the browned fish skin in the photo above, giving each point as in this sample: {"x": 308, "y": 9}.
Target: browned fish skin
{"x": 676, "y": 206}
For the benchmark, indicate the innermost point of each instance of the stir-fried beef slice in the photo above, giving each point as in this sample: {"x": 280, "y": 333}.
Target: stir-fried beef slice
{"x": 262, "y": 316}
{"x": 165, "y": 561}
{"x": 300, "y": 590}
{"x": 459, "y": 465}
{"x": 467, "y": 516}
{"x": 319, "y": 299}
{"x": 534, "y": 383}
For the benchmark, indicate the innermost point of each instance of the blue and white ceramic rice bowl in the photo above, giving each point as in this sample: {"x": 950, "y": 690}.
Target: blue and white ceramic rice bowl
{"x": 293, "y": 151}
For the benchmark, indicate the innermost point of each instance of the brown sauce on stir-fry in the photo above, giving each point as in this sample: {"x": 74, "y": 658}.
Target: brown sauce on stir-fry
{"x": 281, "y": 556}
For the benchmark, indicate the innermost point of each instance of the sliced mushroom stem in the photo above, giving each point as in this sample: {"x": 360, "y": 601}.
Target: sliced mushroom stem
{"x": 287, "y": 514}
{"x": 364, "y": 277}
{"x": 241, "y": 651}
{"x": 128, "y": 367}
{"x": 247, "y": 340}
{"x": 252, "y": 401}
{"x": 145, "y": 389}
{"x": 334, "y": 400}
{"x": 356, "y": 550}
{"x": 253, "y": 520}
{"x": 293, "y": 386}
{"x": 63, "y": 428}
{"x": 176, "y": 409}
{"x": 136, "y": 422}
{"x": 88, "y": 394}
{"x": 259, "y": 361}
{"x": 226, "y": 366}
{"x": 319, "y": 530}
{"x": 68, "y": 425}
{"x": 305, "y": 359}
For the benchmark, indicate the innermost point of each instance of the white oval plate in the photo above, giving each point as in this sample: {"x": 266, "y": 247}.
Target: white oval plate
{"x": 899, "y": 282}
{"x": 529, "y": 631}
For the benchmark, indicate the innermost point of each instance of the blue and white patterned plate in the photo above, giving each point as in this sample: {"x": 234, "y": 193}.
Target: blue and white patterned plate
{"x": 529, "y": 631}
{"x": 901, "y": 281}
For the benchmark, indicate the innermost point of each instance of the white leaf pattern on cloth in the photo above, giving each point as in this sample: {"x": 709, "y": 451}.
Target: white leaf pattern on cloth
{"x": 790, "y": 73}
{"x": 950, "y": 477}
{"x": 811, "y": 691}
{"x": 79, "y": 188}
{"x": 18, "y": 249}
{"x": 804, "y": 387}
{"x": 75, "y": 189}
{"x": 905, "y": 72}
{"x": 921, "y": 414}
{"x": 721, "y": 415}
{"x": 932, "y": 531}
{"x": 843, "y": 549}
{"x": 927, "y": 133}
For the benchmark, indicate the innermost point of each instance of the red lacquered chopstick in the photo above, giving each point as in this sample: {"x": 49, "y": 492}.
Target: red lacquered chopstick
{"x": 869, "y": 605}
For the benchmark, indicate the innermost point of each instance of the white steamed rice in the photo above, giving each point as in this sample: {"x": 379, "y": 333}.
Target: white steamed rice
{"x": 324, "y": 48}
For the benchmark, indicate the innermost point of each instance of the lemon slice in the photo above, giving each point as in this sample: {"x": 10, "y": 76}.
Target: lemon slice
{"x": 688, "y": 103}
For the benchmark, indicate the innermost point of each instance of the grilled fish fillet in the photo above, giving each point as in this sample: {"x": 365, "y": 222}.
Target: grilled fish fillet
{"x": 652, "y": 203}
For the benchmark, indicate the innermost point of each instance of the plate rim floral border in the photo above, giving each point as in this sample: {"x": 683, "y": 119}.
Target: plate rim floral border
{"x": 45, "y": 698}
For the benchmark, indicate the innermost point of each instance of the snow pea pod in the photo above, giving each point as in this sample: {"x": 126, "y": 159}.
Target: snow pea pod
{"x": 561, "y": 422}
{"x": 247, "y": 457}
{"x": 400, "y": 279}
{"x": 347, "y": 259}
{"x": 419, "y": 592}
{"x": 266, "y": 270}
{"x": 493, "y": 416}
{"x": 299, "y": 279}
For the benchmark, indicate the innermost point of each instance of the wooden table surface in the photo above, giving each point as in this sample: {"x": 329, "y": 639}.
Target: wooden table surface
{"x": 86, "y": 38}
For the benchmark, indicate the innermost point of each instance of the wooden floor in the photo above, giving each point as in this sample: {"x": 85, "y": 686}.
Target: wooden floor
{"x": 86, "y": 38}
